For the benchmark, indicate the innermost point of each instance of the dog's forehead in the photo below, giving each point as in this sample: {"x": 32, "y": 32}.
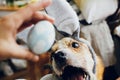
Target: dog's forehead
{"x": 65, "y": 43}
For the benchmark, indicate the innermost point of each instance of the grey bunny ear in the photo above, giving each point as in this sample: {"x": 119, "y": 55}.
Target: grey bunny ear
{"x": 66, "y": 19}
{"x": 76, "y": 34}
{"x": 92, "y": 52}
{"x": 61, "y": 34}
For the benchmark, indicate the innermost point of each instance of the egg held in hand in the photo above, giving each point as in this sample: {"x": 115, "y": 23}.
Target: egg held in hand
{"x": 41, "y": 37}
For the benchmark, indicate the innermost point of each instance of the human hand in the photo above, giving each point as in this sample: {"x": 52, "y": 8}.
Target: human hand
{"x": 13, "y": 23}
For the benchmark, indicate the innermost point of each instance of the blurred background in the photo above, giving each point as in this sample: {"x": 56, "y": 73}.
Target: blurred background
{"x": 15, "y": 3}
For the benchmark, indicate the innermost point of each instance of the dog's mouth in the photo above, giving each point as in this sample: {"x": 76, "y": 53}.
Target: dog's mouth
{"x": 74, "y": 73}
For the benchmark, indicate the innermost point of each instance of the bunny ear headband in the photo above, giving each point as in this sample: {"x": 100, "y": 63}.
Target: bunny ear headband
{"x": 67, "y": 22}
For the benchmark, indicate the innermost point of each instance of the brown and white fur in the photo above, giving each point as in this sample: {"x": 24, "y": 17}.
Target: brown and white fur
{"x": 72, "y": 60}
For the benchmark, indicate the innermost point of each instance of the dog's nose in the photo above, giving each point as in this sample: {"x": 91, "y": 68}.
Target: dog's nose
{"x": 60, "y": 56}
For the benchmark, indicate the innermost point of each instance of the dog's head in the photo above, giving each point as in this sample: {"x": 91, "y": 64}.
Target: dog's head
{"x": 72, "y": 60}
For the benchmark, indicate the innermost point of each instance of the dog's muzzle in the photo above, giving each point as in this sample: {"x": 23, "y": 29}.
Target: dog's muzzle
{"x": 68, "y": 71}
{"x": 60, "y": 59}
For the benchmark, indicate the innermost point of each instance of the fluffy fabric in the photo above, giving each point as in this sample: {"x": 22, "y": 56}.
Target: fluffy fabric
{"x": 19, "y": 63}
{"x": 66, "y": 19}
{"x": 93, "y": 10}
{"x": 100, "y": 38}
{"x": 5, "y": 69}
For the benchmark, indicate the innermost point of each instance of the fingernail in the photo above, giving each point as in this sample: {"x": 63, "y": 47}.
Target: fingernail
{"x": 36, "y": 58}
{"x": 52, "y": 20}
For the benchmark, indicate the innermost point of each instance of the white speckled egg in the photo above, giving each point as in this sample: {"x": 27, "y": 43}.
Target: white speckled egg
{"x": 41, "y": 37}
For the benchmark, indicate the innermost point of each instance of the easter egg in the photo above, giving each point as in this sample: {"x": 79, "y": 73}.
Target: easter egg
{"x": 41, "y": 37}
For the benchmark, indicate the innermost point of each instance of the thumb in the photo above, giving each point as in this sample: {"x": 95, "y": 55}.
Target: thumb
{"x": 24, "y": 53}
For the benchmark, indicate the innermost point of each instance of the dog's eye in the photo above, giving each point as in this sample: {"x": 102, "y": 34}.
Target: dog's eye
{"x": 75, "y": 45}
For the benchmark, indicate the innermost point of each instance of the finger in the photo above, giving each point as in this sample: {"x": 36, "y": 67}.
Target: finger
{"x": 25, "y": 14}
{"x": 42, "y": 16}
{"x": 38, "y": 16}
{"x": 22, "y": 53}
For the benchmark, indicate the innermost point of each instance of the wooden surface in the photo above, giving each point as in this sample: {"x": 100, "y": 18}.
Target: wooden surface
{"x": 6, "y": 8}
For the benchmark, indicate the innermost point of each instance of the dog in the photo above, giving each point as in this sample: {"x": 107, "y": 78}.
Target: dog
{"x": 73, "y": 60}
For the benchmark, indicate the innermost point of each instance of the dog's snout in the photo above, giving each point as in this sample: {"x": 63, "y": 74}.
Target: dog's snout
{"x": 60, "y": 58}
{"x": 60, "y": 55}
